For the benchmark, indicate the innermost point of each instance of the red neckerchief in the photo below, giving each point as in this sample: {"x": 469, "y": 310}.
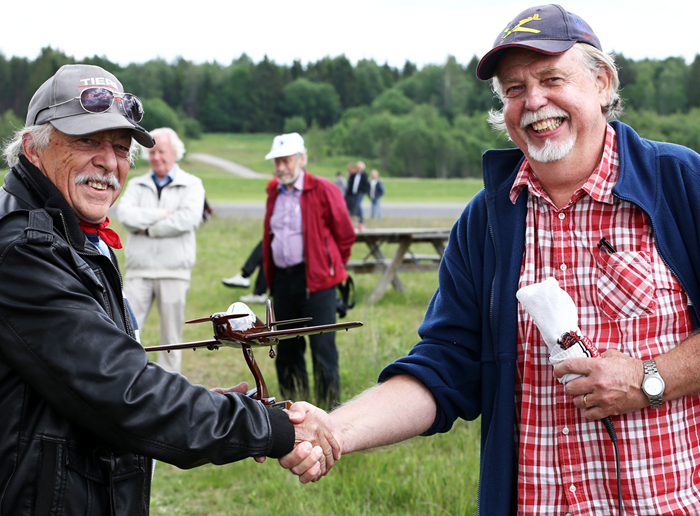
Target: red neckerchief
{"x": 110, "y": 237}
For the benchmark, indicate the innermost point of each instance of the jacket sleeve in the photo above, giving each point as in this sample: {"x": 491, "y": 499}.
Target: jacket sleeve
{"x": 57, "y": 334}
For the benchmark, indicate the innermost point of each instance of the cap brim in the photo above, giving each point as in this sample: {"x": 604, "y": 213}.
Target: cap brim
{"x": 489, "y": 63}
{"x": 279, "y": 153}
{"x": 88, "y": 123}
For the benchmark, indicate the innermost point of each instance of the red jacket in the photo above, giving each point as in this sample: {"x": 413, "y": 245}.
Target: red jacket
{"x": 328, "y": 233}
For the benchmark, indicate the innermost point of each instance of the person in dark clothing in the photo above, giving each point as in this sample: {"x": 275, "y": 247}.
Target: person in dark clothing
{"x": 84, "y": 411}
{"x": 350, "y": 197}
{"x": 359, "y": 186}
{"x": 376, "y": 191}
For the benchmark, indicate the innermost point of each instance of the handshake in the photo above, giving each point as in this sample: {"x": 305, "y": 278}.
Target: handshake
{"x": 390, "y": 412}
{"x": 317, "y": 445}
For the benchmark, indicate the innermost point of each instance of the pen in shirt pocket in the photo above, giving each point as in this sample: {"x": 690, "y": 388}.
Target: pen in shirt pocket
{"x": 606, "y": 246}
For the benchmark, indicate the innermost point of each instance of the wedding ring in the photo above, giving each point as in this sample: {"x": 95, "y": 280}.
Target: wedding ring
{"x": 584, "y": 400}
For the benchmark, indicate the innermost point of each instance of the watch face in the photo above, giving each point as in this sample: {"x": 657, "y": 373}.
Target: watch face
{"x": 653, "y": 386}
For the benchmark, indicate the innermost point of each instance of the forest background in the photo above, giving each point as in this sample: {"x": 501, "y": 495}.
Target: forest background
{"x": 426, "y": 123}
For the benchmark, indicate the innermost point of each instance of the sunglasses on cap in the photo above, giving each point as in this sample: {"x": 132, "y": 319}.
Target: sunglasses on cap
{"x": 97, "y": 99}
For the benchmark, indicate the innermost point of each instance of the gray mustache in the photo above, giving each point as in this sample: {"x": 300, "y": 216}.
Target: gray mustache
{"x": 109, "y": 179}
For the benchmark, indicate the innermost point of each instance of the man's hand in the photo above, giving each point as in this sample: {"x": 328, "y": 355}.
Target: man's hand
{"x": 317, "y": 448}
{"x": 241, "y": 388}
{"x": 611, "y": 385}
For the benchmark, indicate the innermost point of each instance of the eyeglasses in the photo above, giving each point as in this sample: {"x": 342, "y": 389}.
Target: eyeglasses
{"x": 98, "y": 100}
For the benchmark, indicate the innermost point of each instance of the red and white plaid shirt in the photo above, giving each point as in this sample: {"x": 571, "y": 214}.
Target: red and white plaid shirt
{"x": 628, "y": 301}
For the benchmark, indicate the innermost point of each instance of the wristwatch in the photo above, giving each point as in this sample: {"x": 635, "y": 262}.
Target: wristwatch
{"x": 653, "y": 385}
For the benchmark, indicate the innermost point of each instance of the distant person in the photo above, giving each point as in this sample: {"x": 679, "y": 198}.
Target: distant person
{"x": 349, "y": 196}
{"x": 360, "y": 187}
{"x": 376, "y": 190}
{"x": 341, "y": 183}
{"x": 242, "y": 280}
{"x": 161, "y": 211}
{"x": 307, "y": 241}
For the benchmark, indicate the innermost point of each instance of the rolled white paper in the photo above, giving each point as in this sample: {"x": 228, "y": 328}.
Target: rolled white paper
{"x": 555, "y": 315}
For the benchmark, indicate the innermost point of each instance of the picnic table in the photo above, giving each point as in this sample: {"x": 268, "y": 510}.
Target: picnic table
{"x": 404, "y": 260}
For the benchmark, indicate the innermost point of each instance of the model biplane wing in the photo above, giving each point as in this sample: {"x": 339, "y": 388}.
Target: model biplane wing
{"x": 239, "y": 327}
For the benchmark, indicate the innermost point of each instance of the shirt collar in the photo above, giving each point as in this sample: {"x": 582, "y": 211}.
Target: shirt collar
{"x": 599, "y": 184}
{"x": 169, "y": 177}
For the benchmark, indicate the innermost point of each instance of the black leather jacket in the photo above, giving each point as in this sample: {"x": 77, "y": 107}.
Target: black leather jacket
{"x": 81, "y": 408}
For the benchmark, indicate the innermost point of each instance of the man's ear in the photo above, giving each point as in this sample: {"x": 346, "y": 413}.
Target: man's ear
{"x": 604, "y": 85}
{"x": 29, "y": 150}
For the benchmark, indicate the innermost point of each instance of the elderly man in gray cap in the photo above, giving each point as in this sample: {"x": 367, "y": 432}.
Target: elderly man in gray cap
{"x": 83, "y": 410}
{"x": 614, "y": 219}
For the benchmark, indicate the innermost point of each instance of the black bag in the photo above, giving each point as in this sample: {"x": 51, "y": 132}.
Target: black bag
{"x": 346, "y": 301}
{"x": 207, "y": 211}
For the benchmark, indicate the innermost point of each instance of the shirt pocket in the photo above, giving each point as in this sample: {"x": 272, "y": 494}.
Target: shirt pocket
{"x": 625, "y": 285}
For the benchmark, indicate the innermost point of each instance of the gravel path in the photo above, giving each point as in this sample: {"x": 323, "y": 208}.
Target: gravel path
{"x": 229, "y": 166}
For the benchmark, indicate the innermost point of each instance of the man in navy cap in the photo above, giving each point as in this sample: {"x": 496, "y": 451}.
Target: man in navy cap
{"x": 613, "y": 218}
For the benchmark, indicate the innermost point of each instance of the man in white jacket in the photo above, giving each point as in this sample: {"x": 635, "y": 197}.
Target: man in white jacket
{"x": 161, "y": 210}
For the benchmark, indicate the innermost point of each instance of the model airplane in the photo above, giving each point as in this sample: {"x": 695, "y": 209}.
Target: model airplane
{"x": 239, "y": 327}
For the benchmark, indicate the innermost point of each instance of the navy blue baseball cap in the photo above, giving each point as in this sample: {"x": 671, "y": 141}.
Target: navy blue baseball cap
{"x": 548, "y": 29}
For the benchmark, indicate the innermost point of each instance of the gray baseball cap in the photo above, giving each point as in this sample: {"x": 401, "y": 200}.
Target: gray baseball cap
{"x": 57, "y": 101}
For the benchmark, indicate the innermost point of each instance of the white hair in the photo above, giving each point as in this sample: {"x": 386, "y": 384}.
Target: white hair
{"x": 175, "y": 142}
{"x": 593, "y": 60}
{"x": 40, "y": 136}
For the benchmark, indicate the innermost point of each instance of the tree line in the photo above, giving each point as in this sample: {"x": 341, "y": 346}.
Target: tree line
{"x": 427, "y": 122}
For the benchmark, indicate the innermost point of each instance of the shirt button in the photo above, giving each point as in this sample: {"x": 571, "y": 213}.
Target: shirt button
{"x": 572, "y": 488}
{"x": 565, "y": 431}
{"x": 563, "y": 266}
{"x": 561, "y": 216}
{"x": 568, "y": 514}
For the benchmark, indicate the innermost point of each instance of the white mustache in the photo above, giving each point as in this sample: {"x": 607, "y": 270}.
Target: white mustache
{"x": 542, "y": 114}
{"x": 109, "y": 179}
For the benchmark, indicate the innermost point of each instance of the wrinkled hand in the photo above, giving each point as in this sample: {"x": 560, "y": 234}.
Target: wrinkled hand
{"x": 240, "y": 388}
{"x": 317, "y": 447}
{"x": 611, "y": 385}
